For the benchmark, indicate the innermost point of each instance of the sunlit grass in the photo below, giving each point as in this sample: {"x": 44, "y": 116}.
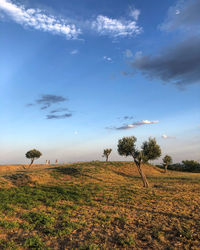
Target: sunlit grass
{"x": 99, "y": 205}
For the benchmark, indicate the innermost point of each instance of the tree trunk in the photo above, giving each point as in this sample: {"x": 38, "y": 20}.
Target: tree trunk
{"x": 142, "y": 175}
{"x": 32, "y": 160}
{"x": 166, "y": 168}
{"x": 106, "y": 158}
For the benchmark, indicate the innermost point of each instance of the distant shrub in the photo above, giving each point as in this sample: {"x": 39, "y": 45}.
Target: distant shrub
{"x": 185, "y": 166}
{"x": 191, "y": 166}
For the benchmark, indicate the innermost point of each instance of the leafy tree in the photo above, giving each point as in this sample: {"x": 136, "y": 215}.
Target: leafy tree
{"x": 33, "y": 154}
{"x": 150, "y": 150}
{"x": 167, "y": 160}
{"x": 106, "y": 153}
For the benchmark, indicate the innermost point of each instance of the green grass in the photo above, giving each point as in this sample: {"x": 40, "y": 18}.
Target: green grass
{"x": 92, "y": 206}
{"x": 34, "y": 242}
{"x": 29, "y": 197}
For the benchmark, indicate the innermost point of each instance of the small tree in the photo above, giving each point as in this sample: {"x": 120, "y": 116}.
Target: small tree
{"x": 106, "y": 153}
{"x": 150, "y": 150}
{"x": 166, "y": 161}
{"x": 33, "y": 154}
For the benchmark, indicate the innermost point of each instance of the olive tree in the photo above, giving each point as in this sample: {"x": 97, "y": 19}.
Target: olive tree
{"x": 33, "y": 154}
{"x": 166, "y": 161}
{"x": 150, "y": 150}
{"x": 106, "y": 153}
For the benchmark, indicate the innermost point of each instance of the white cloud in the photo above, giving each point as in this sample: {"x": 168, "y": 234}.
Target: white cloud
{"x": 135, "y": 124}
{"x": 106, "y": 58}
{"x": 147, "y": 122}
{"x": 135, "y": 13}
{"x": 115, "y": 27}
{"x": 36, "y": 19}
{"x": 74, "y": 52}
{"x": 167, "y": 137}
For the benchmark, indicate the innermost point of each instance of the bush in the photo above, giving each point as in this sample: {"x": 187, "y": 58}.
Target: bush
{"x": 185, "y": 166}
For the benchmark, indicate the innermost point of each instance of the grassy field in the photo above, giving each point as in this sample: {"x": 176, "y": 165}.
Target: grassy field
{"x": 98, "y": 205}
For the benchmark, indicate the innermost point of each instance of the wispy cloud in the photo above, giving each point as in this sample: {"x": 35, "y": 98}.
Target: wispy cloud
{"x": 134, "y": 13}
{"x": 74, "y": 52}
{"x": 64, "y": 116}
{"x": 128, "y": 53}
{"x": 167, "y": 137}
{"x": 134, "y": 125}
{"x": 58, "y": 110}
{"x": 47, "y": 100}
{"x": 115, "y": 27}
{"x": 38, "y": 20}
{"x": 126, "y": 117}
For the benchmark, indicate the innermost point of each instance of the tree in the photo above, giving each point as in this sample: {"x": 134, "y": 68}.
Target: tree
{"x": 33, "y": 154}
{"x": 191, "y": 165}
{"x": 106, "y": 153}
{"x": 166, "y": 161}
{"x": 150, "y": 150}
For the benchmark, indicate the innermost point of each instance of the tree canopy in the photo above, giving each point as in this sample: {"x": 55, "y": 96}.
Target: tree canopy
{"x": 33, "y": 154}
{"x": 107, "y": 152}
{"x": 150, "y": 150}
{"x": 126, "y": 146}
{"x": 167, "y": 160}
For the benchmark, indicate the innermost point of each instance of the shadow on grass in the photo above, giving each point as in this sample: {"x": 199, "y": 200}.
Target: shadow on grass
{"x": 20, "y": 179}
{"x": 74, "y": 172}
{"x": 126, "y": 175}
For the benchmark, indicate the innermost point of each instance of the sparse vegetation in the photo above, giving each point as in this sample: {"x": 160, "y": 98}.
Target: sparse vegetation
{"x": 99, "y": 205}
{"x": 185, "y": 166}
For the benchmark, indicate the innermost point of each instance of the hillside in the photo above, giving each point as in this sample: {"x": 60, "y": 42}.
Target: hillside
{"x": 98, "y": 205}
{"x": 94, "y": 171}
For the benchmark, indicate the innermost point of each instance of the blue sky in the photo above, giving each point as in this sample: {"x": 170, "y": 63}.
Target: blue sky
{"x": 76, "y": 76}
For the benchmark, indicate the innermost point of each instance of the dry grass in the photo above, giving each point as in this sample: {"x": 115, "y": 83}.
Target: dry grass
{"x": 98, "y": 205}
